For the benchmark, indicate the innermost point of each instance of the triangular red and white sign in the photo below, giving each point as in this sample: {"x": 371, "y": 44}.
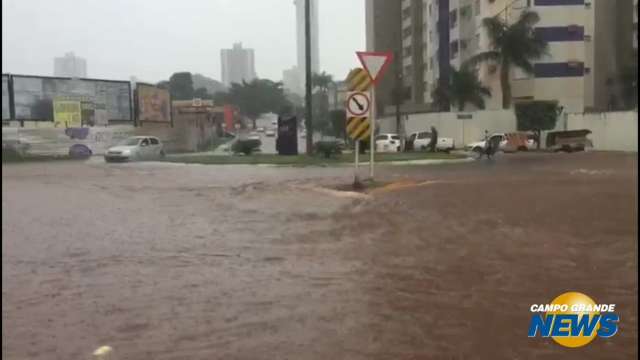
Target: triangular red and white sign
{"x": 375, "y": 63}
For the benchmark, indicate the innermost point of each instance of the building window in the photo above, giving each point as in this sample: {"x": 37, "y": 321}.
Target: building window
{"x": 477, "y": 7}
{"x": 407, "y": 51}
{"x": 406, "y": 32}
{"x": 558, "y": 2}
{"x": 453, "y": 19}
{"x": 430, "y": 36}
{"x": 454, "y": 49}
{"x": 568, "y": 69}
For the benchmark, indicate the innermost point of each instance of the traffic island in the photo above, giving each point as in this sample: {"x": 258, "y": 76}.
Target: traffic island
{"x": 318, "y": 160}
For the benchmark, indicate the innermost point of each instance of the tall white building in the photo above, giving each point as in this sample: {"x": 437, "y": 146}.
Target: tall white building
{"x": 635, "y": 24}
{"x": 70, "y": 66}
{"x": 238, "y": 65}
{"x": 587, "y": 48}
{"x": 291, "y": 81}
{"x": 301, "y": 43}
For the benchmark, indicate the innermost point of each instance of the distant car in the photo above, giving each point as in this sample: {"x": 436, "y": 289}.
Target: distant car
{"x": 254, "y": 136}
{"x": 136, "y": 148}
{"x": 509, "y": 142}
{"x": 388, "y": 143}
{"x": 419, "y": 141}
{"x": 270, "y": 133}
{"x": 274, "y": 122}
{"x": 260, "y": 129}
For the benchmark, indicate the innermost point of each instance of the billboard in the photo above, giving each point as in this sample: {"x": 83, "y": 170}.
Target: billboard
{"x": 67, "y": 113}
{"x": 6, "y": 112}
{"x": 100, "y": 100}
{"x": 154, "y": 104}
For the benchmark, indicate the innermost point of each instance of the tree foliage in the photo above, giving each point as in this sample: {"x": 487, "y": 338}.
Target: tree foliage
{"x": 537, "y": 116}
{"x": 181, "y": 86}
{"x": 629, "y": 83}
{"x": 514, "y": 45}
{"x": 464, "y": 87}
{"x": 254, "y": 98}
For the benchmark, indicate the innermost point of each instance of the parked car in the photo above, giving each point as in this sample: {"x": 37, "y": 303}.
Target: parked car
{"x": 254, "y": 136}
{"x": 569, "y": 141}
{"x": 419, "y": 141}
{"x": 136, "y": 148}
{"x": 388, "y": 143}
{"x": 509, "y": 142}
{"x": 270, "y": 133}
{"x": 260, "y": 130}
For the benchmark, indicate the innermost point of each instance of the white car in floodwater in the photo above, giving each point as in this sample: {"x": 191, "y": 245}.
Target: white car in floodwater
{"x": 388, "y": 143}
{"x": 136, "y": 148}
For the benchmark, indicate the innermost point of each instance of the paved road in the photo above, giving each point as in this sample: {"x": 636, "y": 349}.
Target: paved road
{"x": 164, "y": 261}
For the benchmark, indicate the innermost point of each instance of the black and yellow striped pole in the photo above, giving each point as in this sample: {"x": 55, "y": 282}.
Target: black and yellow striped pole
{"x": 359, "y": 127}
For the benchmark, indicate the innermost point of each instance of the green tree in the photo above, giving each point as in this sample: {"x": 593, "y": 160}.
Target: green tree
{"x": 629, "y": 83}
{"x": 321, "y": 82}
{"x": 339, "y": 123}
{"x": 181, "y": 86}
{"x": 514, "y": 45}
{"x": 254, "y": 98}
{"x": 537, "y": 116}
{"x": 464, "y": 87}
{"x": 202, "y": 93}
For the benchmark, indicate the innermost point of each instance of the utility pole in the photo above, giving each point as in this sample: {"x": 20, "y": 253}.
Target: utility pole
{"x": 309, "y": 99}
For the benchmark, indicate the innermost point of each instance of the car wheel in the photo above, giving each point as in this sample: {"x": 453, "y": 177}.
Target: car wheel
{"x": 477, "y": 153}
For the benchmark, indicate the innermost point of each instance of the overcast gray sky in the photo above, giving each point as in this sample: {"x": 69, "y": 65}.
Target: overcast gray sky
{"x": 151, "y": 39}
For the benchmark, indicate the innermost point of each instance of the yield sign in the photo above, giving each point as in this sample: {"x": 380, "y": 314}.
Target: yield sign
{"x": 375, "y": 63}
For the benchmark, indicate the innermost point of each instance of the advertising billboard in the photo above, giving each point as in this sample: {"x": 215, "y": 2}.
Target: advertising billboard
{"x": 67, "y": 113}
{"x": 6, "y": 111}
{"x": 101, "y": 100}
{"x": 154, "y": 104}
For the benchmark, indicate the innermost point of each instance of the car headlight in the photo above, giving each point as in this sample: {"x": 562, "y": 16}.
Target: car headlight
{"x": 126, "y": 152}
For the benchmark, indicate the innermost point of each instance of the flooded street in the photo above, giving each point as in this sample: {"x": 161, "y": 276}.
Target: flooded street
{"x": 237, "y": 262}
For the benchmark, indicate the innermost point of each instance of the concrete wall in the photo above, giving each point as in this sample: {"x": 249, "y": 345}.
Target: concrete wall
{"x": 613, "y": 131}
{"x": 462, "y": 127}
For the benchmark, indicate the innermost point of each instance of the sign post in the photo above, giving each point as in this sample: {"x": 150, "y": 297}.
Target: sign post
{"x": 358, "y": 107}
{"x": 375, "y": 64}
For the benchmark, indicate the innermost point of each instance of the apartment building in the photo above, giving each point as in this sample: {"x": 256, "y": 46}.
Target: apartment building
{"x": 413, "y": 50}
{"x": 635, "y": 24}
{"x": 70, "y": 65}
{"x": 238, "y": 65}
{"x": 581, "y": 65}
{"x": 383, "y": 29}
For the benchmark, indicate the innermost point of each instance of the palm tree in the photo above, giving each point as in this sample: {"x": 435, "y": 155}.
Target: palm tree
{"x": 322, "y": 81}
{"x": 464, "y": 87}
{"x": 511, "y": 45}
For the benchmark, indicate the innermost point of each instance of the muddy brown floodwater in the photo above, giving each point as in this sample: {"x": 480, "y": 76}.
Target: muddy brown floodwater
{"x": 224, "y": 262}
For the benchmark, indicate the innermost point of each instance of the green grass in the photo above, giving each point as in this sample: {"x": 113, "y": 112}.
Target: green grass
{"x": 304, "y": 160}
{"x": 10, "y": 158}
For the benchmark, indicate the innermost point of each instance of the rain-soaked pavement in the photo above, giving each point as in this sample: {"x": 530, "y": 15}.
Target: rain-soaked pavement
{"x": 235, "y": 262}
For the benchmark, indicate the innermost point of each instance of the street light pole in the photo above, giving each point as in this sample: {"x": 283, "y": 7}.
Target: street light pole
{"x": 309, "y": 100}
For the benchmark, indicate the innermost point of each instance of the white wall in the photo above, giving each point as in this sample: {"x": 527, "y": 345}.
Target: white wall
{"x": 463, "y": 131}
{"x": 614, "y": 131}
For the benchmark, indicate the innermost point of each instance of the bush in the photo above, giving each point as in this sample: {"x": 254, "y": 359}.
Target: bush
{"x": 328, "y": 148}
{"x": 245, "y": 146}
